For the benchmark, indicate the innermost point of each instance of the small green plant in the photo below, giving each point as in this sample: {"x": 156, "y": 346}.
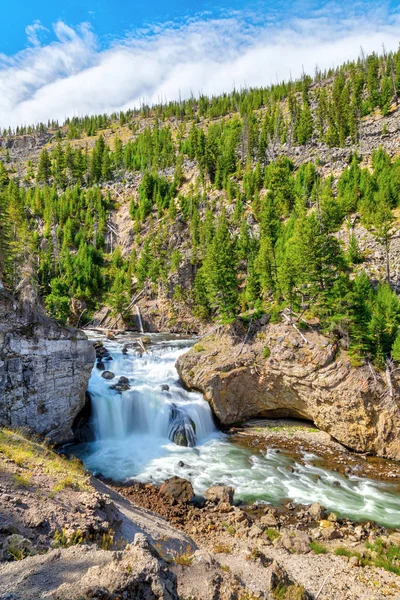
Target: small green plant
{"x": 225, "y": 568}
{"x": 198, "y": 348}
{"x": 256, "y": 555}
{"x": 318, "y": 548}
{"x": 228, "y": 528}
{"x": 266, "y": 352}
{"x": 272, "y": 534}
{"x": 62, "y": 540}
{"x": 184, "y": 559}
{"x": 23, "y": 480}
{"x": 289, "y": 592}
{"x": 342, "y": 551}
{"x": 222, "y": 549}
{"x": 384, "y": 556}
{"x": 106, "y": 541}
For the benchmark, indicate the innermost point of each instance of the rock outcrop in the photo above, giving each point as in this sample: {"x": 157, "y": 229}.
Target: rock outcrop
{"x": 44, "y": 370}
{"x": 278, "y": 374}
{"x": 137, "y": 572}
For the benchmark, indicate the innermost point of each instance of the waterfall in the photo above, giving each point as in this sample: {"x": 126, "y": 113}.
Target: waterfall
{"x": 155, "y": 429}
{"x": 155, "y": 405}
{"x": 140, "y": 319}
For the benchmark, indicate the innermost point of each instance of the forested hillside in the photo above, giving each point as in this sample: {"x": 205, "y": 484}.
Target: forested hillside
{"x": 237, "y": 204}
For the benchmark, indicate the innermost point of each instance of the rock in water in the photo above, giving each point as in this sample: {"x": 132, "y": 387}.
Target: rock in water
{"x": 108, "y": 375}
{"x": 182, "y": 429}
{"x": 122, "y": 385}
{"x": 44, "y": 371}
{"x": 177, "y": 488}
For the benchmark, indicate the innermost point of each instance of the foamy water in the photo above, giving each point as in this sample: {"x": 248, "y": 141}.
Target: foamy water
{"x": 133, "y": 431}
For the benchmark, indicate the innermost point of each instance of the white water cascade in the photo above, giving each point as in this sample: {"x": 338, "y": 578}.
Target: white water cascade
{"x": 139, "y": 314}
{"x": 134, "y": 430}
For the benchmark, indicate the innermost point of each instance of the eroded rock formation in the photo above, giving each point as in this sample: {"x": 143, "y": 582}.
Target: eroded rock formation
{"x": 44, "y": 370}
{"x": 278, "y": 374}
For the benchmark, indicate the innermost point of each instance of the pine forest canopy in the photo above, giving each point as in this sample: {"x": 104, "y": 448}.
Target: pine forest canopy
{"x": 260, "y": 233}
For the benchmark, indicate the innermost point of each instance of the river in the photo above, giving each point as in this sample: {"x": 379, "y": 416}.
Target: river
{"x": 134, "y": 431}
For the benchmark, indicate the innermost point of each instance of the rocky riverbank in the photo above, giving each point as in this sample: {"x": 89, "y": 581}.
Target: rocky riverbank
{"x": 296, "y": 437}
{"x": 66, "y": 535}
{"x": 317, "y": 551}
{"x": 44, "y": 368}
{"x": 275, "y": 370}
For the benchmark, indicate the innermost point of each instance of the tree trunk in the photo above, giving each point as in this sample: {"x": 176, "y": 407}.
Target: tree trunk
{"x": 387, "y": 265}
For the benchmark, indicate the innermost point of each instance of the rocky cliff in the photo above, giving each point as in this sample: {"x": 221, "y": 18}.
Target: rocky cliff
{"x": 280, "y": 372}
{"x": 44, "y": 370}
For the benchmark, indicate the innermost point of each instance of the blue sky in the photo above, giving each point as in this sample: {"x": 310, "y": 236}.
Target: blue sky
{"x": 58, "y": 59}
{"x": 116, "y": 18}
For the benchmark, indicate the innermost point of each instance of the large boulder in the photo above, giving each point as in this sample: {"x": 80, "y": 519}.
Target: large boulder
{"x": 220, "y": 493}
{"x": 178, "y": 489}
{"x": 44, "y": 370}
{"x": 276, "y": 373}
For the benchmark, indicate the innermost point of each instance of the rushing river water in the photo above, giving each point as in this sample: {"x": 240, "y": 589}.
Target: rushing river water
{"x": 134, "y": 428}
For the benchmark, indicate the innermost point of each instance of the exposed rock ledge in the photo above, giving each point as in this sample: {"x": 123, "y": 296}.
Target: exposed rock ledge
{"x": 313, "y": 380}
{"x": 44, "y": 370}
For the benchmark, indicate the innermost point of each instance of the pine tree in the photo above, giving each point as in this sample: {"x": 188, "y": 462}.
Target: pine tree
{"x": 219, "y": 270}
{"x": 5, "y": 238}
{"x": 396, "y": 348}
{"x": 44, "y": 168}
{"x": 383, "y": 230}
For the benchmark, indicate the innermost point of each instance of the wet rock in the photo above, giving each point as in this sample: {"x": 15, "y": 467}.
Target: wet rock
{"x": 100, "y": 365}
{"x": 182, "y": 429}
{"x": 220, "y": 493}
{"x": 122, "y": 385}
{"x": 125, "y": 350}
{"x": 108, "y": 375}
{"x": 179, "y": 489}
{"x": 165, "y": 387}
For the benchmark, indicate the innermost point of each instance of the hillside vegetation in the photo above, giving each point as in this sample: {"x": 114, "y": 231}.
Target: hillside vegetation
{"x": 234, "y": 206}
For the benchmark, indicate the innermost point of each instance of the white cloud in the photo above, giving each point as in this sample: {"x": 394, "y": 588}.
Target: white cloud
{"x": 34, "y": 32}
{"x": 73, "y": 76}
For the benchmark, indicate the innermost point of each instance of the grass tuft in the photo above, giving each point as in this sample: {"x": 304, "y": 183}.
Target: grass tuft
{"x": 318, "y": 548}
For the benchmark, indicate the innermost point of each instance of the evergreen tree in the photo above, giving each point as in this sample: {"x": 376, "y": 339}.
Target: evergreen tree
{"x": 219, "y": 271}
{"x": 383, "y": 230}
{"x": 44, "y": 168}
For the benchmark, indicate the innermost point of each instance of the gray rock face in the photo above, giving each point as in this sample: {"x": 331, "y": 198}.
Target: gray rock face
{"x": 44, "y": 372}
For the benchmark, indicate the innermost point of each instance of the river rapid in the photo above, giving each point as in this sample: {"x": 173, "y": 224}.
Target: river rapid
{"x": 134, "y": 430}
